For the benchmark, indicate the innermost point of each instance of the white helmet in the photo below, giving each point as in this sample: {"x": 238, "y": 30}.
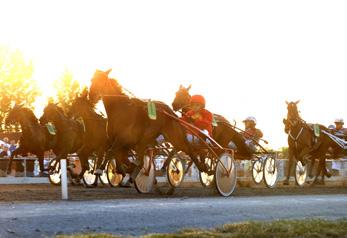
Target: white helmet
{"x": 251, "y": 119}
{"x": 339, "y": 120}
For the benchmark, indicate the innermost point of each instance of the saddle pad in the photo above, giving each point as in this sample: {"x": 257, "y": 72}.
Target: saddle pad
{"x": 152, "y": 111}
{"x": 316, "y": 130}
{"x": 51, "y": 128}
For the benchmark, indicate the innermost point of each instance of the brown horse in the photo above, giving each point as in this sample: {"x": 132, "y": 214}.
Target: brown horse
{"x": 129, "y": 126}
{"x": 69, "y": 132}
{"x": 303, "y": 144}
{"x": 223, "y": 132}
{"x": 35, "y": 138}
{"x": 95, "y": 136}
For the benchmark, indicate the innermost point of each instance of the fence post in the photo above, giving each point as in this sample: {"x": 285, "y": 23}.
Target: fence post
{"x": 64, "y": 190}
{"x": 25, "y": 167}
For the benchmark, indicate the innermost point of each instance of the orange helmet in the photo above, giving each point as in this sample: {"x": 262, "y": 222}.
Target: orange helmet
{"x": 199, "y": 99}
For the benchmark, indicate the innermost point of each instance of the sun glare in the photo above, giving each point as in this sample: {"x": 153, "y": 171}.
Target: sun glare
{"x": 244, "y": 67}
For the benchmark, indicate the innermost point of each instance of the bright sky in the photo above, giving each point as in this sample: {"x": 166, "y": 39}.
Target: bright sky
{"x": 246, "y": 57}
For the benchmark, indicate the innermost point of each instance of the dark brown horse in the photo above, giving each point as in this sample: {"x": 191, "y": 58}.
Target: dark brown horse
{"x": 35, "y": 138}
{"x": 303, "y": 144}
{"x": 129, "y": 126}
{"x": 95, "y": 136}
{"x": 223, "y": 132}
{"x": 70, "y": 133}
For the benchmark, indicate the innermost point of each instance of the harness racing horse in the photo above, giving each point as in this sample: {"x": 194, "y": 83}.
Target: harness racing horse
{"x": 223, "y": 132}
{"x": 303, "y": 144}
{"x": 129, "y": 126}
{"x": 35, "y": 138}
{"x": 95, "y": 136}
{"x": 70, "y": 134}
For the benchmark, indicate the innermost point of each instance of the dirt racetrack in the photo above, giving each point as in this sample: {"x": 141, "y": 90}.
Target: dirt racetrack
{"x": 46, "y": 192}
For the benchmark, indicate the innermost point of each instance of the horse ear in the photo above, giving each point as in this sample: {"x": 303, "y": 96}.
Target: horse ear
{"x": 84, "y": 93}
{"x": 181, "y": 86}
{"x": 287, "y": 102}
{"x": 107, "y": 72}
{"x": 297, "y": 102}
{"x": 189, "y": 87}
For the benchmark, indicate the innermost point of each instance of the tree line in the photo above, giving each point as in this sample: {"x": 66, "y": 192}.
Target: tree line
{"x": 18, "y": 85}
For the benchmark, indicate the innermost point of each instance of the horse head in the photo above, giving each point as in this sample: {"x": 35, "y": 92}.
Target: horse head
{"x": 103, "y": 85}
{"x": 14, "y": 115}
{"x": 81, "y": 104}
{"x": 52, "y": 113}
{"x": 293, "y": 116}
{"x": 182, "y": 98}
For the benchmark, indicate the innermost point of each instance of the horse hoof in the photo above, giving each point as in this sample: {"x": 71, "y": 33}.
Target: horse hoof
{"x": 328, "y": 174}
{"x": 286, "y": 182}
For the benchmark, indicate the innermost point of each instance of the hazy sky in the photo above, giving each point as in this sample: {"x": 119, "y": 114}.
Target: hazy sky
{"x": 246, "y": 57}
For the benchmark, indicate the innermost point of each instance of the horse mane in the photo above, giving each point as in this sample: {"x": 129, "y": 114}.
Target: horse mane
{"x": 220, "y": 118}
{"x": 115, "y": 84}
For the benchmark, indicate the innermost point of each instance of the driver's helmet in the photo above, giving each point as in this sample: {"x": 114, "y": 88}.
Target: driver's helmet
{"x": 251, "y": 119}
{"x": 339, "y": 120}
{"x": 198, "y": 99}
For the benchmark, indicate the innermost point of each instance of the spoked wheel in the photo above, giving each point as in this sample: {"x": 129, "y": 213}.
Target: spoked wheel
{"x": 205, "y": 179}
{"x": 103, "y": 176}
{"x": 270, "y": 172}
{"x": 300, "y": 173}
{"x": 175, "y": 171}
{"x": 257, "y": 171}
{"x": 145, "y": 179}
{"x": 114, "y": 179}
{"x": 54, "y": 172}
{"x": 89, "y": 178}
{"x": 225, "y": 175}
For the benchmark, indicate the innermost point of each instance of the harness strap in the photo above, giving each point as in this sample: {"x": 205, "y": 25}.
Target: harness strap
{"x": 295, "y": 139}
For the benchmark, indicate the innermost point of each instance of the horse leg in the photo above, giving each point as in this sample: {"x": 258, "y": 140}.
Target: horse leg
{"x": 320, "y": 168}
{"x": 289, "y": 167}
{"x": 83, "y": 155}
{"x": 41, "y": 162}
{"x": 100, "y": 162}
{"x": 19, "y": 151}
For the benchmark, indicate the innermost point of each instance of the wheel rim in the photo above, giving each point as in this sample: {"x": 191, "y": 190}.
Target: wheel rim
{"x": 145, "y": 179}
{"x": 114, "y": 179}
{"x": 300, "y": 173}
{"x": 175, "y": 171}
{"x": 257, "y": 171}
{"x": 205, "y": 179}
{"x": 89, "y": 177}
{"x": 226, "y": 175}
{"x": 103, "y": 177}
{"x": 270, "y": 172}
{"x": 55, "y": 177}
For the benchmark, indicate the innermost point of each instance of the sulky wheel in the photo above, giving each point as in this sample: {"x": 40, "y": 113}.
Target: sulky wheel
{"x": 205, "y": 179}
{"x": 175, "y": 171}
{"x": 270, "y": 172}
{"x": 54, "y": 172}
{"x": 89, "y": 178}
{"x": 145, "y": 179}
{"x": 103, "y": 177}
{"x": 257, "y": 171}
{"x": 300, "y": 173}
{"x": 114, "y": 179}
{"x": 225, "y": 175}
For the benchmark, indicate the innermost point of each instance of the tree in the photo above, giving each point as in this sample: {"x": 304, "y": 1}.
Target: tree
{"x": 67, "y": 89}
{"x": 16, "y": 82}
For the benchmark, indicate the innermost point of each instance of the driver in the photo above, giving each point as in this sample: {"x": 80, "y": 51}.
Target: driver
{"x": 251, "y": 134}
{"x": 198, "y": 116}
